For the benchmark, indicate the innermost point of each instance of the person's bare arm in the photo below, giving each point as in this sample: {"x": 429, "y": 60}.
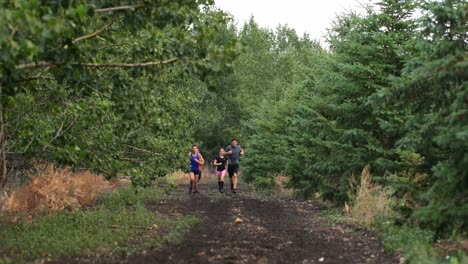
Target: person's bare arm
{"x": 242, "y": 151}
{"x": 201, "y": 161}
{"x": 216, "y": 163}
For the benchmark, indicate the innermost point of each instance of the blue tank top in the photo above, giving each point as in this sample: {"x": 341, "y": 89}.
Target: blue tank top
{"x": 193, "y": 164}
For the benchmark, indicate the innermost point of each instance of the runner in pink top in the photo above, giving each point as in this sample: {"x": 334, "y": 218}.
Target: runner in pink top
{"x": 221, "y": 162}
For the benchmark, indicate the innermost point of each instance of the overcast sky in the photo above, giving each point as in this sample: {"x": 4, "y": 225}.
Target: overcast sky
{"x": 305, "y": 16}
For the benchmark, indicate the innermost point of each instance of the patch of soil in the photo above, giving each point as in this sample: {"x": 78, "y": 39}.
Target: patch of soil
{"x": 239, "y": 228}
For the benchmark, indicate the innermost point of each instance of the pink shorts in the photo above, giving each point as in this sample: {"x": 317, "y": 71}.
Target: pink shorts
{"x": 219, "y": 173}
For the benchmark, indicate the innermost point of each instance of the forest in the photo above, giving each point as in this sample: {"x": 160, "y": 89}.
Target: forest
{"x": 124, "y": 88}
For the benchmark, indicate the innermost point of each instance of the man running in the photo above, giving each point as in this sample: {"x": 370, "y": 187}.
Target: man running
{"x": 234, "y": 151}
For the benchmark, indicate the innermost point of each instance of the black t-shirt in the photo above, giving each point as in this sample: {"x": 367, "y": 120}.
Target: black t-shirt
{"x": 223, "y": 165}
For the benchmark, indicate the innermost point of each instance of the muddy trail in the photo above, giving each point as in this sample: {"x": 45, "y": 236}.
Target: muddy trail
{"x": 243, "y": 228}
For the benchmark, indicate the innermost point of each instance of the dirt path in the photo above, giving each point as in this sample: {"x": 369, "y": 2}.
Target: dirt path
{"x": 272, "y": 231}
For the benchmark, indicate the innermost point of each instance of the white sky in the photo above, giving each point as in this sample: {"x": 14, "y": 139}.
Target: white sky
{"x": 305, "y": 16}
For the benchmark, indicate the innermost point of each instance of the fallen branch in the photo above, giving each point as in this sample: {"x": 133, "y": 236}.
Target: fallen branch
{"x": 118, "y": 8}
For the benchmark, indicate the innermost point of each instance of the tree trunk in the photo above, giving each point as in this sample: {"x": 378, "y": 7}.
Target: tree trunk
{"x": 3, "y": 161}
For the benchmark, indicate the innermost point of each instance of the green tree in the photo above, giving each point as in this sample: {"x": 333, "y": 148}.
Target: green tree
{"x": 107, "y": 86}
{"x": 433, "y": 93}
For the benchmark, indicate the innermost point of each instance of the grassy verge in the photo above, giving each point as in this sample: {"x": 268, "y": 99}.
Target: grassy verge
{"x": 415, "y": 245}
{"x": 275, "y": 189}
{"x": 118, "y": 226}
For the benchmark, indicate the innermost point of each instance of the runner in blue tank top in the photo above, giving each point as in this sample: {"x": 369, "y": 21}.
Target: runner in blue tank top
{"x": 196, "y": 159}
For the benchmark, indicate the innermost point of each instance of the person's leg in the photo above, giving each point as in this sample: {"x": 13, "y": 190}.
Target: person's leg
{"x": 234, "y": 182}
{"x": 231, "y": 173}
{"x": 192, "y": 177}
{"x": 235, "y": 177}
{"x": 218, "y": 174}
{"x": 221, "y": 180}
{"x": 223, "y": 173}
{"x": 195, "y": 181}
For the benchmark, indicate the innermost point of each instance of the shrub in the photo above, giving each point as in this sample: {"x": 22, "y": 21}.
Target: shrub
{"x": 55, "y": 189}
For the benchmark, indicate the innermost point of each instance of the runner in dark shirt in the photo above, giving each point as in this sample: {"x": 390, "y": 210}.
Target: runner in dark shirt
{"x": 234, "y": 151}
{"x": 220, "y": 161}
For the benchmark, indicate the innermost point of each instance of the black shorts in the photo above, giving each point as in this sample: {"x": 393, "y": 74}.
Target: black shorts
{"x": 196, "y": 172}
{"x": 233, "y": 169}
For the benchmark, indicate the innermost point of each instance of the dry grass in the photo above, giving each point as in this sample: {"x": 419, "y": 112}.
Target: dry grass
{"x": 370, "y": 200}
{"x": 280, "y": 186}
{"x": 177, "y": 178}
{"x": 181, "y": 178}
{"x": 56, "y": 189}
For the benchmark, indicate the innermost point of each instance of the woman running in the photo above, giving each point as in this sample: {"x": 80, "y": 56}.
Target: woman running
{"x": 220, "y": 161}
{"x": 196, "y": 159}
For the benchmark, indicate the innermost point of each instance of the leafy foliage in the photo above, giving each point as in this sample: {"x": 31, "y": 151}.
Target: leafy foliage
{"x": 105, "y": 87}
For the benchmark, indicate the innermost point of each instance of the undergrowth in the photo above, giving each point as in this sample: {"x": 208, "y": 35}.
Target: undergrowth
{"x": 118, "y": 226}
{"x": 371, "y": 207}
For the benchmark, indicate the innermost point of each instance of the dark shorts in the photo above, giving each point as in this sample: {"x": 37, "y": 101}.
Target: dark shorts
{"x": 196, "y": 172}
{"x": 233, "y": 169}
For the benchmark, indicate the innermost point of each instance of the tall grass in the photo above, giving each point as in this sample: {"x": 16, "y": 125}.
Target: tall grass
{"x": 370, "y": 200}
{"x": 371, "y": 205}
{"x": 56, "y": 189}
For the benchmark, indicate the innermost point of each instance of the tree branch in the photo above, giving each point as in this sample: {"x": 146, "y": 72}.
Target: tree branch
{"x": 114, "y": 45}
{"x": 94, "y": 33}
{"x": 61, "y": 133}
{"x": 133, "y": 160}
{"x": 40, "y": 64}
{"x": 144, "y": 150}
{"x": 118, "y": 8}
{"x": 128, "y": 65}
{"x": 35, "y": 77}
{"x": 96, "y": 65}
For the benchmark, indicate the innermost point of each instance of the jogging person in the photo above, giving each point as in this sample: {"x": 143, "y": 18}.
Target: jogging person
{"x": 196, "y": 159}
{"x": 220, "y": 161}
{"x": 234, "y": 151}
